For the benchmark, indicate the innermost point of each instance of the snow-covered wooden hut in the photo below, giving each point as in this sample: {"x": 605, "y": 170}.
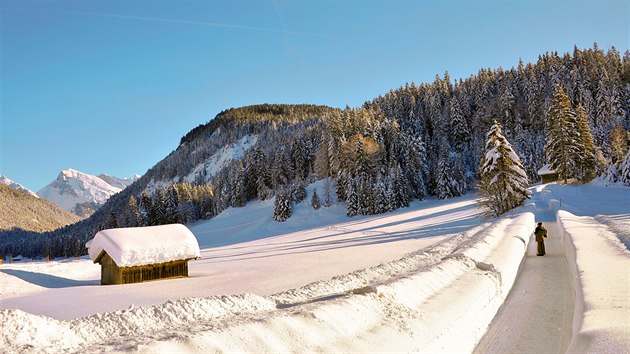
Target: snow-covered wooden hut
{"x": 137, "y": 254}
{"x": 547, "y": 174}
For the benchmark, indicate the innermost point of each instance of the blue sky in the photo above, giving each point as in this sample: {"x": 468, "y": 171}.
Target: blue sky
{"x": 111, "y": 86}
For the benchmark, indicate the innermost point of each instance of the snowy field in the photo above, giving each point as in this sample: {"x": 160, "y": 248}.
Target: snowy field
{"x": 426, "y": 278}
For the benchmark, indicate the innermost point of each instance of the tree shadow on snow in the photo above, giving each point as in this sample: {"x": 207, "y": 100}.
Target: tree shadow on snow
{"x": 433, "y": 224}
{"x": 363, "y": 237}
{"x": 47, "y": 280}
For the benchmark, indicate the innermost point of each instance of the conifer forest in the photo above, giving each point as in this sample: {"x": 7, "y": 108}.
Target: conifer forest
{"x": 489, "y": 133}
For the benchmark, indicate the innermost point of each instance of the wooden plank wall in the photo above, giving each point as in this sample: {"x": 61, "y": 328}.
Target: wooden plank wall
{"x": 112, "y": 274}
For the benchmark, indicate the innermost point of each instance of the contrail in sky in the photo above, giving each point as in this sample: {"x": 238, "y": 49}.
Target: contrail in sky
{"x": 287, "y": 41}
{"x": 199, "y": 23}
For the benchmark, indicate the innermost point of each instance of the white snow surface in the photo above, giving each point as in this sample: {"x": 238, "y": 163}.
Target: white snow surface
{"x": 600, "y": 267}
{"x": 5, "y": 180}
{"x": 426, "y": 278}
{"x": 73, "y": 187}
{"x": 136, "y": 246}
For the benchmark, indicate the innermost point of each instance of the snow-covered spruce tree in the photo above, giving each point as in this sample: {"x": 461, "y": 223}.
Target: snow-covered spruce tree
{"x": 283, "y": 207}
{"x": 399, "y": 189}
{"x": 446, "y": 185}
{"x": 112, "y": 221}
{"x": 587, "y": 162}
{"x": 300, "y": 158}
{"x": 460, "y": 133}
{"x": 327, "y": 194}
{"x": 352, "y": 198}
{"x": 625, "y": 173}
{"x": 365, "y": 188}
{"x": 380, "y": 196}
{"x": 618, "y": 145}
{"x": 298, "y": 190}
{"x": 315, "y": 203}
{"x": 415, "y": 166}
{"x": 459, "y": 175}
{"x": 132, "y": 216}
{"x": 159, "y": 207}
{"x": 502, "y": 180}
{"x": 564, "y": 144}
{"x": 146, "y": 209}
{"x": 171, "y": 206}
{"x": 237, "y": 184}
{"x": 263, "y": 177}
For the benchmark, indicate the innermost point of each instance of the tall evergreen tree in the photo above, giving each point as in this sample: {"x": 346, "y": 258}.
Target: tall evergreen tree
{"x": 327, "y": 194}
{"x": 459, "y": 127}
{"x": 563, "y": 137}
{"x": 352, "y": 198}
{"x": 618, "y": 144}
{"x": 625, "y": 172}
{"x": 237, "y": 183}
{"x": 300, "y": 159}
{"x": 502, "y": 180}
{"x": 262, "y": 175}
{"x": 298, "y": 191}
{"x": 459, "y": 175}
{"x": 283, "y": 207}
{"x": 366, "y": 195}
{"x": 132, "y": 215}
{"x": 112, "y": 221}
{"x": 146, "y": 210}
{"x": 587, "y": 163}
{"x": 315, "y": 202}
{"x": 159, "y": 207}
{"x": 399, "y": 188}
{"x": 415, "y": 167}
{"x": 171, "y": 207}
{"x": 447, "y": 186}
{"x": 380, "y": 196}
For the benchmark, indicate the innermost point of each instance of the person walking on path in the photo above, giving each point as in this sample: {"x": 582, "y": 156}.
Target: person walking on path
{"x": 541, "y": 235}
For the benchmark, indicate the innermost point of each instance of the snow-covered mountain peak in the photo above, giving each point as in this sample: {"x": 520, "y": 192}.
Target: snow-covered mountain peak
{"x": 5, "y": 180}
{"x": 70, "y": 173}
{"x": 82, "y": 193}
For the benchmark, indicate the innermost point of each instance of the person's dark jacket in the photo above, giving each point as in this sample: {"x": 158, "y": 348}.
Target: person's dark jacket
{"x": 541, "y": 233}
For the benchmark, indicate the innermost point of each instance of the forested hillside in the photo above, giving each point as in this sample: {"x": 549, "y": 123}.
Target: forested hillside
{"x": 414, "y": 141}
{"x": 20, "y": 210}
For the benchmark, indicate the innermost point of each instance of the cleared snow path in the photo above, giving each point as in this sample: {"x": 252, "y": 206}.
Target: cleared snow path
{"x": 537, "y": 315}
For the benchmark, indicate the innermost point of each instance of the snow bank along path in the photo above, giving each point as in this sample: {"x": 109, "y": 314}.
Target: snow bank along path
{"x": 600, "y": 271}
{"x": 438, "y": 299}
{"x": 537, "y": 314}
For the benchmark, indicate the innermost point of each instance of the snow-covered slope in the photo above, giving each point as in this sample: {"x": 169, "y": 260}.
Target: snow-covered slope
{"x": 5, "y": 180}
{"x": 427, "y": 278}
{"x": 221, "y": 158}
{"x": 81, "y": 193}
{"x": 208, "y": 168}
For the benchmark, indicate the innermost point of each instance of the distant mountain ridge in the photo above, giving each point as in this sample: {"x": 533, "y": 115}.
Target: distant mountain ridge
{"x": 81, "y": 193}
{"x": 121, "y": 183}
{"x": 6, "y": 181}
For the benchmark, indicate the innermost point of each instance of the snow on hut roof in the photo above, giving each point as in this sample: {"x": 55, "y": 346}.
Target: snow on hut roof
{"x": 135, "y": 246}
{"x": 545, "y": 170}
